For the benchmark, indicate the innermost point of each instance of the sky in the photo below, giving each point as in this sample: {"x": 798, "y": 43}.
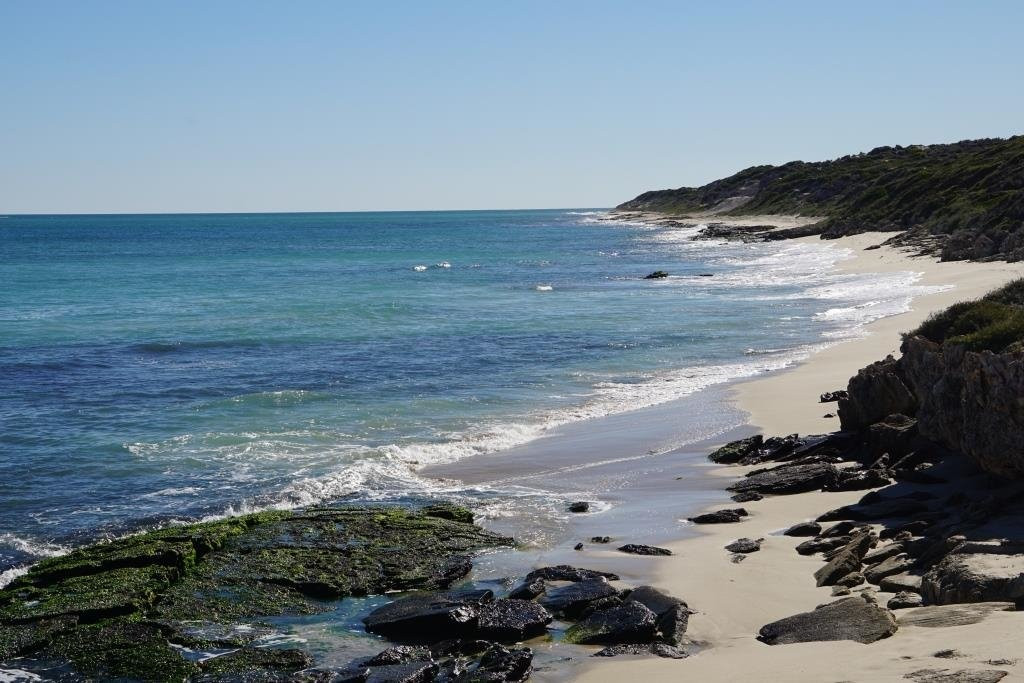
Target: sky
{"x": 144, "y": 106}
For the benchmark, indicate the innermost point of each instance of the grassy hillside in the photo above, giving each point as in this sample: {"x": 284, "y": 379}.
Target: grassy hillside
{"x": 965, "y": 200}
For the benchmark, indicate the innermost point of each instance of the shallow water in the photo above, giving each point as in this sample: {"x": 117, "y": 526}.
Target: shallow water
{"x": 155, "y": 368}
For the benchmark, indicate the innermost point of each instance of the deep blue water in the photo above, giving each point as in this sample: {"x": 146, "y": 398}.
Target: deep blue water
{"x": 176, "y": 366}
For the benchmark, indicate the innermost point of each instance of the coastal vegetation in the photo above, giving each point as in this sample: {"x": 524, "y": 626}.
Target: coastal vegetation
{"x": 992, "y": 323}
{"x": 963, "y": 200}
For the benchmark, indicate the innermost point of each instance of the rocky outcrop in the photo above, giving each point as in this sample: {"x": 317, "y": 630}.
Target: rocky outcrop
{"x": 875, "y": 392}
{"x": 969, "y": 401}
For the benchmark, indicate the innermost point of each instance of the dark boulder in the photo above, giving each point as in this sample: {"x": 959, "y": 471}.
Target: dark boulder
{"x": 803, "y": 529}
{"x": 858, "y": 480}
{"x": 630, "y": 622}
{"x": 656, "y": 275}
{"x": 852, "y": 618}
{"x": 847, "y": 560}
{"x": 501, "y": 665}
{"x": 511, "y": 620}
{"x": 822, "y": 545}
{"x": 601, "y": 539}
{"x": 744, "y": 545}
{"x": 564, "y": 572}
{"x": 673, "y": 614}
{"x": 832, "y": 396}
{"x": 528, "y": 590}
{"x": 572, "y": 600}
{"x": 720, "y": 517}
{"x": 579, "y": 506}
{"x": 428, "y": 617}
{"x": 746, "y": 497}
{"x": 789, "y": 478}
{"x": 888, "y": 567}
{"x": 736, "y": 451}
{"x": 640, "y": 549}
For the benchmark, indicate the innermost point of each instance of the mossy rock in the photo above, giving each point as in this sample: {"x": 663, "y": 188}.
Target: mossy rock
{"x": 136, "y": 596}
{"x": 121, "y": 649}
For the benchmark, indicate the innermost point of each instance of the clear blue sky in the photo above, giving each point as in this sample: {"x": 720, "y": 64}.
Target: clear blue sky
{"x": 255, "y": 106}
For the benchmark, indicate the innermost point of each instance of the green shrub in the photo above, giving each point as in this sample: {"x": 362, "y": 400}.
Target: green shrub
{"x": 996, "y": 336}
{"x": 992, "y": 323}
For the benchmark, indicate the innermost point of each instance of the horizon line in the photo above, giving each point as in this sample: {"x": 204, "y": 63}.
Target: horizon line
{"x": 265, "y": 213}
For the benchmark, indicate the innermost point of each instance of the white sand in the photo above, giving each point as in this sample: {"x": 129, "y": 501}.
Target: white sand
{"x": 734, "y": 600}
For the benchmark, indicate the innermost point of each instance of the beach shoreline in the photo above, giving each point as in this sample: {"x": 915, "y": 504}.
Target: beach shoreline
{"x": 733, "y": 600}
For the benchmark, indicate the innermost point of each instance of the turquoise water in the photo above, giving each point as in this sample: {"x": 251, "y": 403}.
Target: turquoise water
{"x": 166, "y": 367}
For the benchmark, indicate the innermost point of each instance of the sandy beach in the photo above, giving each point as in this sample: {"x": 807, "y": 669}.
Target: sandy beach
{"x": 733, "y": 601}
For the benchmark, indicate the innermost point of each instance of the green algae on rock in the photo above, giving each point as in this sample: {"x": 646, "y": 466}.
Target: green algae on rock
{"x": 122, "y": 609}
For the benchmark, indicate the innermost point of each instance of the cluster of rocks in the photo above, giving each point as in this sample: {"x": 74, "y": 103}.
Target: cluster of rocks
{"x": 915, "y": 536}
{"x": 469, "y": 634}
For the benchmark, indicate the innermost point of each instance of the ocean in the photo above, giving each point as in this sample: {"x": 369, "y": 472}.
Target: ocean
{"x": 157, "y": 368}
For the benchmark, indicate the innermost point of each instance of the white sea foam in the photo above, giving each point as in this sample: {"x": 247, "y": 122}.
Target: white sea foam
{"x": 37, "y": 549}
{"x": 17, "y": 676}
{"x": 419, "y": 269}
{"x": 544, "y": 288}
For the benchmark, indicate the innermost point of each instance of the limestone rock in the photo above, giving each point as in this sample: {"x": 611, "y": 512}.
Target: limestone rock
{"x": 975, "y": 577}
{"x": 851, "y": 618}
{"x": 873, "y": 393}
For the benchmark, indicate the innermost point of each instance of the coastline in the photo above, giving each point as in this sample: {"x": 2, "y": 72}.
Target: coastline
{"x": 733, "y": 600}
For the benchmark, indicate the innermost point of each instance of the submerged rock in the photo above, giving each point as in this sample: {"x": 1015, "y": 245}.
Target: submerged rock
{"x": 852, "y": 618}
{"x": 656, "y": 275}
{"x": 579, "y": 506}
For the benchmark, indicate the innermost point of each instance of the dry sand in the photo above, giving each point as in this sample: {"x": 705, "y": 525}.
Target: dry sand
{"x": 734, "y": 600}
